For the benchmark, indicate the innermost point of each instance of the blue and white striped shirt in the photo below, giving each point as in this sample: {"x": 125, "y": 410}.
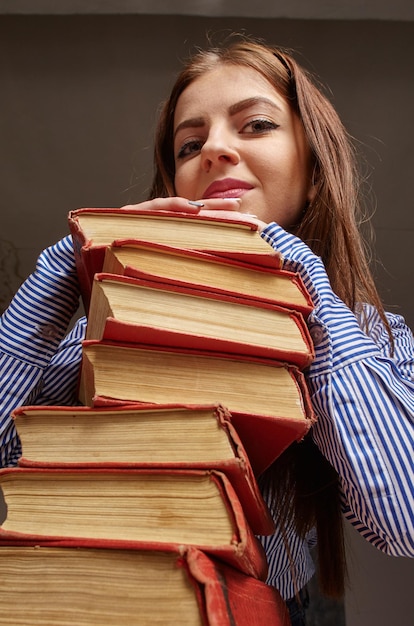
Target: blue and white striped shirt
{"x": 363, "y": 396}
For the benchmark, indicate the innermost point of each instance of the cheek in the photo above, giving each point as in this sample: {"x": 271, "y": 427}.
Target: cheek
{"x": 295, "y": 175}
{"x": 183, "y": 181}
{"x": 285, "y": 188}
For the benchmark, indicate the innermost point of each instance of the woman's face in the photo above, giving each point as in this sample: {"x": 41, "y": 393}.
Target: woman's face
{"x": 236, "y": 137}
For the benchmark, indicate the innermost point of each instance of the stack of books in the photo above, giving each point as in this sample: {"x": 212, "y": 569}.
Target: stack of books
{"x": 141, "y": 506}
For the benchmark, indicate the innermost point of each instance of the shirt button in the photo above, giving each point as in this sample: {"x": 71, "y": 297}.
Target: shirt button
{"x": 317, "y": 334}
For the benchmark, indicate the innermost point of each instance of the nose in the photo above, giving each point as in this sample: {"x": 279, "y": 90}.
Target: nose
{"x": 218, "y": 149}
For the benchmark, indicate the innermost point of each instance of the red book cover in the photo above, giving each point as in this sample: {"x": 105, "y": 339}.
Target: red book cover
{"x": 268, "y": 400}
{"x": 106, "y": 586}
{"x": 233, "y": 599}
{"x": 175, "y": 315}
{"x": 265, "y": 437}
{"x": 93, "y": 229}
{"x": 73, "y": 438}
{"x": 212, "y": 272}
{"x": 120, "y": 509}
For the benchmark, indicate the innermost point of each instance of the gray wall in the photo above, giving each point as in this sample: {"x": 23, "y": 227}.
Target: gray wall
{"x": 79, "y": 96}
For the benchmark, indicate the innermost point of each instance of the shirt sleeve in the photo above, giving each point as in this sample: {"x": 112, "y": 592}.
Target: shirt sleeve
{"x": 363, "y": 395}
{"x": 31, "y": 330}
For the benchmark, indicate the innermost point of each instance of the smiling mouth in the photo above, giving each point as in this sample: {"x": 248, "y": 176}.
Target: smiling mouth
{"x": 227, "y": 188}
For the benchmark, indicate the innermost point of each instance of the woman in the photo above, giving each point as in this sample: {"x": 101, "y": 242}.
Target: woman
{"x": 245, "y": 130}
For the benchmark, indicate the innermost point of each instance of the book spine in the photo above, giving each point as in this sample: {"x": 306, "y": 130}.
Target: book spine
{"x": 233, "y": 599}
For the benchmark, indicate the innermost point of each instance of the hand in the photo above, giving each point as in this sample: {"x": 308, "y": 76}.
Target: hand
{"x": 227, "y": 208}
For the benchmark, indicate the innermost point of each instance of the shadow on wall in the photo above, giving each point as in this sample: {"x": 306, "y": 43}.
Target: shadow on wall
{"x": 10, "y": 277}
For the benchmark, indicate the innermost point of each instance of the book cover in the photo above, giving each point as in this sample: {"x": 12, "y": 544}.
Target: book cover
{"x": 93, "y": 229}
{"x": 123, "y": 507}
{"x": 96, "y": 586}
{"x": 247, "y": 600}
{"x": 149, "y": 260}
{"x": 132, "y": 310}
{"x": 263, "y": 396}
{"x": 136, "y": 436}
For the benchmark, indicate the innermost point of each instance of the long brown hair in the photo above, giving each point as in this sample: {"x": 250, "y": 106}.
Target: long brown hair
{"x": 302, "y": 484}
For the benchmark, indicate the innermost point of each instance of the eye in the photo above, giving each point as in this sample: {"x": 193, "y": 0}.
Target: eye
{"x": 190, "y": 147}
{"x": 259, "y": 126}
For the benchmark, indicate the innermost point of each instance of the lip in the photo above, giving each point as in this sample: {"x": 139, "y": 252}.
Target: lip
{"x": 227, "y": 188}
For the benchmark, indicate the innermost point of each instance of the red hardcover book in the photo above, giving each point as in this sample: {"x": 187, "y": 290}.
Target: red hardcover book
{"x": 130, "y": 587}
{"x": 268, "y": 400}
{"x": 93, "y": 229}
{"x": 133, "y": 310}
{"x": 152, "y": 261}
{"x": 232, "y": 598}
{"x": 136, "y": 436}
{"x": 131, "y": 507}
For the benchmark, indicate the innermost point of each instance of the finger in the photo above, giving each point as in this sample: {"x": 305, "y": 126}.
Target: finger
{"x": 222, "y": 204}
{"x": 177, "y": 204}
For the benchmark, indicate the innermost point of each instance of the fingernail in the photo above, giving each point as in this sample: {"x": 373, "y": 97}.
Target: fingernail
{"x": 196, "y": 203}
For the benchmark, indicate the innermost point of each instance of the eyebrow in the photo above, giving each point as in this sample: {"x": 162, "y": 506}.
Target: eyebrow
{"x": 197, "y": 122}
{"x": 248, "y": 102}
